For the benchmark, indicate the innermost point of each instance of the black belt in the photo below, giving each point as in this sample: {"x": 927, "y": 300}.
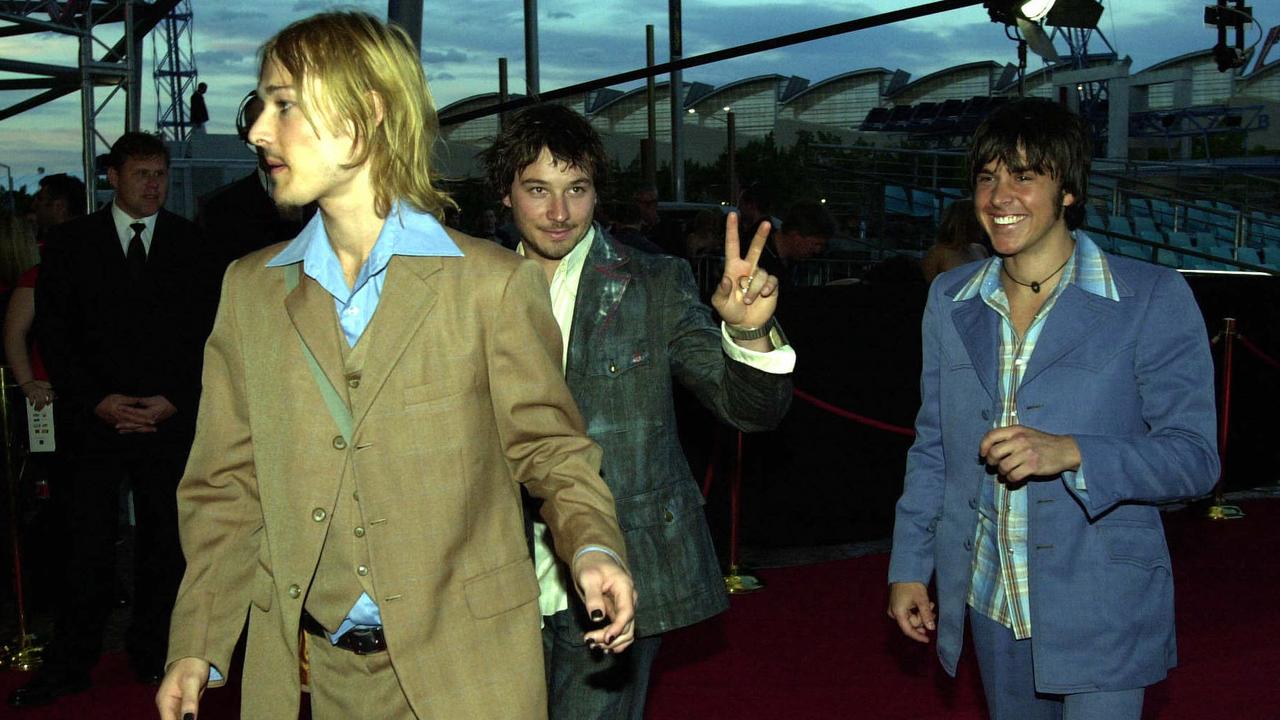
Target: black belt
{"x": 361, "y": 641}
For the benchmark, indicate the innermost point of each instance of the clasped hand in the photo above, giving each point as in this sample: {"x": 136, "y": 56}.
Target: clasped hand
{"x": 127, "y": 414}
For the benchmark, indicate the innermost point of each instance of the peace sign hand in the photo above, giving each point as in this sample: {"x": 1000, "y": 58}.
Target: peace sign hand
{"x": 747, "y": 296}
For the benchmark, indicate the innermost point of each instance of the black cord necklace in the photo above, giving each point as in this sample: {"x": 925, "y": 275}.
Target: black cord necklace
{"x": 1035, "y": 286}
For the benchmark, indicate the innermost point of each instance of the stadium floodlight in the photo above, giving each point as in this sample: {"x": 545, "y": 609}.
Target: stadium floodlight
{"x": 1008, "y": 12}
{"x": 1062, "y": 13}
{"x": 1223, "y": 17}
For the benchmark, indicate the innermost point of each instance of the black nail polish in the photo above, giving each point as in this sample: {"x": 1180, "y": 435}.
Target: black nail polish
{"x": 188, "y": 716}
{"x": 608, "y": 639}
{"x": 597, "y": 615}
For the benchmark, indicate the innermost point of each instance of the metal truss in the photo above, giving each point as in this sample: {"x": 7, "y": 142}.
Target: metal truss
{"x": 1201, "y": 122}
{"x": 174, "y": 71}
{"x": 99, "y": 64}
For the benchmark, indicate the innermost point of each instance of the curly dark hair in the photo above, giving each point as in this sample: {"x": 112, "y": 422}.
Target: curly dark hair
{"x": 566, "y": 134}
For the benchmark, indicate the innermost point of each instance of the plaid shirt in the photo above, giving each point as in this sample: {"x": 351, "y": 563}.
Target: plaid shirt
{"x": 999, "y": 583}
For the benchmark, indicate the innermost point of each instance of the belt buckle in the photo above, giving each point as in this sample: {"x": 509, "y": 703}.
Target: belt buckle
{"x": 364, "y": 641}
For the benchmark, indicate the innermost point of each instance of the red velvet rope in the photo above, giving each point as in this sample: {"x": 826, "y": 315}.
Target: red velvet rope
{"x": 877, "y": 424}
{"x": 1257, "y": 351}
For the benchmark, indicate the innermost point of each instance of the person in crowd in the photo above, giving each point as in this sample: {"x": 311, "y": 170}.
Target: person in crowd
{"x": 661, "y": 231}
{"x": 631, "y": 326}
{"x": 241, "y": 217}
{"x": 626, "y": 227}
{"x": 1065, "y": 393}
{"x": 18, "y": 248}
{"x": 755, "y": 206}
{"x": 959, "y": 241}
{"x": 123, "y": 305}
{"x": 805, "y": 232}
{"x": 376, "y": 392}
{"x": 61, "y": 198}
{"x": 706, "y": 236}
{"x": 199, "y": 110}
{"x": 488, "y": 228}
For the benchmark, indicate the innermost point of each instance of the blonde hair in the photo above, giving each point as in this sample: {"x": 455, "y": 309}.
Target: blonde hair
{"x": 363, "y": 76}
{"x": 18, "y": 250}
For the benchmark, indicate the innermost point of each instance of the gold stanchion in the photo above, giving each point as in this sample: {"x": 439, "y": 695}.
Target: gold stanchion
{"x": 23, "y": 652}
{"x": 737, "y": 582}
{"x": 1218, "y": 510}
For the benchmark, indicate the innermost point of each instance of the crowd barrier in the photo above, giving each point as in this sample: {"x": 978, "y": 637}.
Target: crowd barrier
{"x": 736, "y": 579}
{"x": 1227, "y": 338}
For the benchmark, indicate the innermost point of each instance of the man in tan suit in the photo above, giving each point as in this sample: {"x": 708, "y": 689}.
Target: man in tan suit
{"x": 374, "y": 392}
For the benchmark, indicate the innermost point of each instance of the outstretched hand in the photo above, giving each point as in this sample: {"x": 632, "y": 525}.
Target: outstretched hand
{"x": 609, "y": 595}
{"x": 746, "y": 296}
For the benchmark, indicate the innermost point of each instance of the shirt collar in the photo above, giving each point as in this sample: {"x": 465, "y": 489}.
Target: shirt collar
{"x": 1088, "y": 269}
{"x": 571, "y": 265}
{"x": 405, "y": 232}
{"x": 123, "y": 220}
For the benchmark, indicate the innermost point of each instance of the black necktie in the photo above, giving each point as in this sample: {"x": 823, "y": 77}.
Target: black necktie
{"x": 137, "y": 255}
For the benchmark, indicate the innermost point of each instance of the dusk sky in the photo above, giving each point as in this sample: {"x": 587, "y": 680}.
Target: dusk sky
{"x": 581, "y": 40}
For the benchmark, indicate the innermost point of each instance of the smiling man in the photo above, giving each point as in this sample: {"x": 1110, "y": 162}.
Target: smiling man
{"x": 632, "y": 327}
{"x": 1064, "y": 394}
{"x": 375, "y": 393}
{"x": 123, "y": 305}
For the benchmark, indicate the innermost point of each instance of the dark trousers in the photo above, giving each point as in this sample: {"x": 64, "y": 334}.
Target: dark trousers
{"x": 91, "y": 512}
{"x": 584, "y": 684}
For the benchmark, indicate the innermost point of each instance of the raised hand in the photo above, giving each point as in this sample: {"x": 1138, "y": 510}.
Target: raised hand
{"x": 746, "y": 296}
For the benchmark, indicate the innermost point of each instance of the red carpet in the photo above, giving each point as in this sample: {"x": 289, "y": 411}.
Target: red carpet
{"x": 816, "y": 644}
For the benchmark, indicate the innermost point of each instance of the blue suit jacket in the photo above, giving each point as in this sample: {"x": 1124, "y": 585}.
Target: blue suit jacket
{"x": 1132, "y": 381}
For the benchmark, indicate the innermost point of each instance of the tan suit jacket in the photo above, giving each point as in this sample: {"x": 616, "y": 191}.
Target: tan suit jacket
{"x": 461, "y": 398}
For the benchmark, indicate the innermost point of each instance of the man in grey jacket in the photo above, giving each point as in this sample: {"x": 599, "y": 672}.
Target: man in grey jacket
{"x": 632, "y": 323}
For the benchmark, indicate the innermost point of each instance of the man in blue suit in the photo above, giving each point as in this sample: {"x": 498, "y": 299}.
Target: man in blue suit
{"x": 632, "y": 327}
{"x": 1064, "y": 394}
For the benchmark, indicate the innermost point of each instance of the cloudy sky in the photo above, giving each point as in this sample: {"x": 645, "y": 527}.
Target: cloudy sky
{"x": 581, "y": 40}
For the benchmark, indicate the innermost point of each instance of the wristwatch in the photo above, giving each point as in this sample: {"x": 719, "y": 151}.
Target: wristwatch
{"x": 739, "y": 333}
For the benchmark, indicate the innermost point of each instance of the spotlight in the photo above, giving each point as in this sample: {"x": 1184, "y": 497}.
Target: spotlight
{"x": 1224, "y": 16}
{"x": 1062, "y": 13}
{"x": 1008, "y": 12}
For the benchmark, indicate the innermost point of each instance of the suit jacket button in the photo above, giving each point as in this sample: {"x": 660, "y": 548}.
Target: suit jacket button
{"x": 359, "y": 532}
{"x": 362, "y": 570}
{"x": 353, "y": 381}
{"x": 668, "y": 517}
{"x": 968, "y": 544}
{"x": 339, "y": 443}
{"x": 973, "y": 503}
{"x": 295, "y": 591}
{"x": 319, "y": 514}
{"x": 986, "y": 415}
